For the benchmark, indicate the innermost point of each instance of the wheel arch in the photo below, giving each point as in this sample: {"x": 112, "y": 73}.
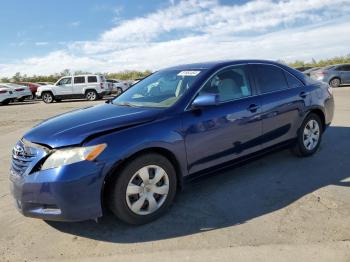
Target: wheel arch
{"x": 109, "y": 178}
{"x": 320, "y": 114}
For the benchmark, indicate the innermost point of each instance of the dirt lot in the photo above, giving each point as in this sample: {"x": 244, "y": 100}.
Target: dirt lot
{"x": 278, "y": 208}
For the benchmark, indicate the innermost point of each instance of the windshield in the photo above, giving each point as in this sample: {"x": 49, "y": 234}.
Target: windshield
{"x": 161, "y": 89}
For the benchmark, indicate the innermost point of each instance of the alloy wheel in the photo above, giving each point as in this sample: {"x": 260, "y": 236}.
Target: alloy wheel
{"x": 311, "y": 134}
{"x": 147, "y": 190}
{"x": 91, "y": 96}
{"x": 47, "y": 98}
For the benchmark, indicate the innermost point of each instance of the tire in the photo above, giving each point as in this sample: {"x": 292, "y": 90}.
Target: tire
{"x": 91, "y": 95}
{"x": 47, "y": 97}
{"x": 131, "y": 204}
{"x": 309, "y": 136}
{"x": 21, "y": 99}
{"x": 335, "y": 82}
{"x": 4, "y": 103}
{"x": 119, "y": 91}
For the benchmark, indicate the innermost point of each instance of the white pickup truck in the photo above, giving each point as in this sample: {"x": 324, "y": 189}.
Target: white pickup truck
{"x": 90, "y": 87}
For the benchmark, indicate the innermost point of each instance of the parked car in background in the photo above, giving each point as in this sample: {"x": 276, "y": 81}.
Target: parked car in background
{"x": 303, "y": 68}
{"x": 334, "y": 75}
{"x": 21, "y": 92}
{"x": 118, "y": 86}
{"x": 91, "y": 87}
{"x": 134, "y": 152}
{"x": 6, "y": 95}
{"x": 32, "y": 86}
{"x": 45, "y": 83}
{"x": 308, "y": 71}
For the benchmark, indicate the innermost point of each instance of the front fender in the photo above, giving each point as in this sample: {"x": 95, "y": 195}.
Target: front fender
{"x": 161, "y": 134}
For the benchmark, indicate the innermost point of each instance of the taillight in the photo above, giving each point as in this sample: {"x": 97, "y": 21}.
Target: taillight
{"x": 101, "y": 85}
{"x": 19, "y": 89}
{"x": 3, "y": 91}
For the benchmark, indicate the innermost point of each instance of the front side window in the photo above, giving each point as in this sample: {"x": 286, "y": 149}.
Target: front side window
{"x": 79, "y": 80}
{"x": 161, "y": 89}
{"x": 229, "y": 84}
{"x": 65, "y": 81}
{"x": 270, "y": 78}
{"x": 346, "y": 68}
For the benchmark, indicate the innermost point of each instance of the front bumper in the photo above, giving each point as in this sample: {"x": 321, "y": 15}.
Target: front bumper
{"x": 68, "y": 193}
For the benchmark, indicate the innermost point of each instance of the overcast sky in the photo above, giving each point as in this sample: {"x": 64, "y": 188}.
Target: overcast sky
{"x": 43, "y": 37}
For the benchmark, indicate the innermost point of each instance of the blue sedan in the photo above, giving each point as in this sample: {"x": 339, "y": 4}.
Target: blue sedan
{"x": 133, "y": 153}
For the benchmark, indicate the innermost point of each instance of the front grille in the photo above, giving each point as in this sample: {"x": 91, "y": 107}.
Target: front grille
{"x": 25, "y": 156}
{"x": 20, "y": 164}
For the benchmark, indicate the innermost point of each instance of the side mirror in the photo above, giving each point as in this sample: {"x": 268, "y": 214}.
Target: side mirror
{"x": 205, "y": 100}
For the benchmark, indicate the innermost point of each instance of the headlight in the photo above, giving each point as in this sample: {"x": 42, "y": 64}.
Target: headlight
{"x": 68, "y": 156}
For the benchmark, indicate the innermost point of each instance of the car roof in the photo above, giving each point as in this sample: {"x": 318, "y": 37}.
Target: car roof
{"x": 220, "y": 63}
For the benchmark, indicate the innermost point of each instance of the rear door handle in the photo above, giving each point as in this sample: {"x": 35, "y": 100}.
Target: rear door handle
{"x": 253, "y": 108}
{"x": 303, "y": 94}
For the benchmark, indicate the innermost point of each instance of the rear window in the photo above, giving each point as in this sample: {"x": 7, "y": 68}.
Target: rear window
{"x": 292, "y": 81}
{"x": 79, "y": 79}
{"x": 92, "y": 79}
{"x": 270, "y": 78}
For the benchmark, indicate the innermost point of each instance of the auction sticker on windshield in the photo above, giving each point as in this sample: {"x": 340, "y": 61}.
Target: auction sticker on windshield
{"x": 188, "y": 73}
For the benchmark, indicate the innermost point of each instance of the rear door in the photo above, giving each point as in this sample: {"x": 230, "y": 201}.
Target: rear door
{"x": 282, "y": 98}
{"x": 79, "y": 85}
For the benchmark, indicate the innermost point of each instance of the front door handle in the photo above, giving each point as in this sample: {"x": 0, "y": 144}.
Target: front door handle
{"x": 253, "y": 108}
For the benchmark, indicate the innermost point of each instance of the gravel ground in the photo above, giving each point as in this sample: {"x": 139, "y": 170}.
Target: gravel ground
{"x": 277, "y": 208}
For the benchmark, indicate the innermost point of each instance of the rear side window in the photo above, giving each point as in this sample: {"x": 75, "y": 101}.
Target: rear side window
{"x": 79, "y": 79}
{"x": 293, "y": 82}
{"x": 270, "y": 78}
{"x": 92, "y": 79}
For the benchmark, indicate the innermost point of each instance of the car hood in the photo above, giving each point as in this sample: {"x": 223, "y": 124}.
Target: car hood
{"x": 74, "y": 127}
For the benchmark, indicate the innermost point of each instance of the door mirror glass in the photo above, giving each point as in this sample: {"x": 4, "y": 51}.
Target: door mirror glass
{"x": 204, "y": 100}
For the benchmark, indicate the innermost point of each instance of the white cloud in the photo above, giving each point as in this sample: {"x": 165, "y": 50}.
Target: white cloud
{"x": 75, "y": 24}
{"x": 41, "y": 43}
{"x": 192, "y": 31}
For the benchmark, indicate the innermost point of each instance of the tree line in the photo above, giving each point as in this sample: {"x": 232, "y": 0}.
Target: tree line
{"x": 133, "y": 74}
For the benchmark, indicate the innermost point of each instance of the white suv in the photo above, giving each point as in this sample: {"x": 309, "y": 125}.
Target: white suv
{"x": 91, "y": 87}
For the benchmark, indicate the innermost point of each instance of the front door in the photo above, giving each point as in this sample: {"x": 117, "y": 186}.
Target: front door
{"x": 64, "y": 87}
{"x": 220, "y": 133}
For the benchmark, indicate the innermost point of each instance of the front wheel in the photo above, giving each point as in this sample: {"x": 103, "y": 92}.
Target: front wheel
{"x": 144, "y": 189}
{"x": 309, "y": 136}
{"x": 47, "y": 97}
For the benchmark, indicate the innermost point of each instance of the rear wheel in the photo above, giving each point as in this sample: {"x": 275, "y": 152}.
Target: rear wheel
{"x": 119, "y": 91}
{"x": 335, "y": 82}
{"x": 4, "y": 103}
{"x": 309, "y": 136}
{"x": 21, "y": 99}
{"x": 47, "y": 97}
{"x": 143, "y": 190}
{"x": 91, "y": 95}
